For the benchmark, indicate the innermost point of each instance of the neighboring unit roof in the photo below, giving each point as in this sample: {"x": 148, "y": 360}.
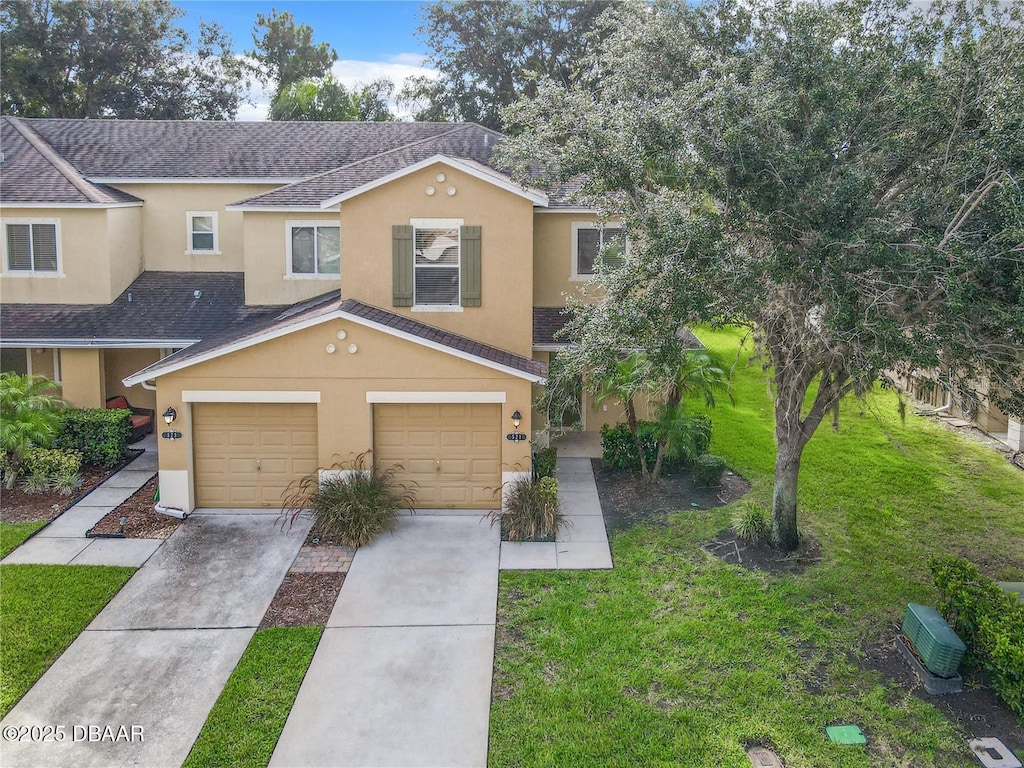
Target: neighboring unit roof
{"x": 468, "y": 142}
{"x": 280, "y": 322}
{"x": 548, "y": 322}
{"x": 32, "y": 173}
{"x": 157, "y": 307}
{"x": 125, "y": 149}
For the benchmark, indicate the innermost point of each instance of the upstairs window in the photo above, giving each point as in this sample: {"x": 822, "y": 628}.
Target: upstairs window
{"x": 202, "y": 232}
{"x": 588, "y": 242}
{"x": 437, "y": 262}
{"x": 32, "y": 246}
{"x": 314, "y": 248}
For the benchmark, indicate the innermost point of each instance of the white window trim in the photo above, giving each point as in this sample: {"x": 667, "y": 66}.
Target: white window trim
{"x": 288, "y": 227}
{"x": 436, "y": 224}
{"x": 7, "y": 272}
{"x": 215, "y": 251}
{"x": 574, "y": 274}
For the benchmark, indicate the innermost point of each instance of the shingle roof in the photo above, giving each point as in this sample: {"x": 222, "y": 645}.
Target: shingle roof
{"x": 549, "y": 321}
{"x": 196, "y": 149}
{"x": 158, "y": 306}
{"x": 464, "y": 141}
{"x": 280, "y": 320}
{"x": 445, "y": 338}
{"x": 32, "y": 172}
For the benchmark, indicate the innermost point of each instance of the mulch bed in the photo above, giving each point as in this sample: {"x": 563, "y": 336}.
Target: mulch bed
{"x": 304, "y": 600}
{"x": 978, "y": 712}
{"x": 18, "y": 506}
{"x": 732, "y": 549}
{"x": 142, "y": 522}
{"x": 628, "y": 499}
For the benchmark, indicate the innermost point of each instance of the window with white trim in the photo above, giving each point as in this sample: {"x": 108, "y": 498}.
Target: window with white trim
{"x": 314, "y": 248}
{"x": 589, "y": 240}
{"x": 32, "y": 245}
{"x": 202, "y": 231}
{"x": 437, "y": 261}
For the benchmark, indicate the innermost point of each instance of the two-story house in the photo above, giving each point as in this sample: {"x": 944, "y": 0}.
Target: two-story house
{"x": 291, "y": 294}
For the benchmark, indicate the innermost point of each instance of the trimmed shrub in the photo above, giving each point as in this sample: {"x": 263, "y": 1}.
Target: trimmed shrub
{"x": 618, "y": 449}
{"x": 352, "y": 508}
{"x": 708, "y": 470}
{"x": 531, "y": 512}
{"x": 751, "y": 522}
{"x": 988, "y": 620}
{"x": 544, "y": 460}
{"x": 100, "y": 435}
{"x": 52, "y": 468}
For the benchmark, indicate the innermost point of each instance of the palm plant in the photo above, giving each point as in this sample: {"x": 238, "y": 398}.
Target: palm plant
{"x": 29, "y": 417}
{"x": 626, "y": 379}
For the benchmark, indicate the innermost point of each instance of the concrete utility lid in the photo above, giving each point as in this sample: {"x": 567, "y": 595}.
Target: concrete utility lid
{"x": 994, "y": 754}
{"x": 762, "y": 757}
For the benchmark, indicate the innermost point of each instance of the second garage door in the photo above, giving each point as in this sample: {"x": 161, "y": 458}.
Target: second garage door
{"x": 246, "y": 454}
{"x": 452, "y": 451}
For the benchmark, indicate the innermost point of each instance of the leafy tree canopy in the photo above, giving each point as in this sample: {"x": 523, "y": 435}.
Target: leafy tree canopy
{"x": 492, "y": 52}
{"x": 285, "y": 51}
{"x": 326, "y": 98}
{"x": 113, "y": 58}
{"x": 843, "y": 177}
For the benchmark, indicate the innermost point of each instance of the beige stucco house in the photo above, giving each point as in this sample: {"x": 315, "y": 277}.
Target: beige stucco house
{"x": 296, "y": 293}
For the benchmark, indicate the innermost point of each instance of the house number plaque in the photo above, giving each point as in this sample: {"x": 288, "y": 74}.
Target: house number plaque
{"x": 516, "y": 437}
{"x": 171, "y": 435}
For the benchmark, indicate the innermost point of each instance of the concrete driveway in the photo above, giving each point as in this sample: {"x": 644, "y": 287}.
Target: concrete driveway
{"x": 402, "y": 674}
{"x": 156, "y": 658}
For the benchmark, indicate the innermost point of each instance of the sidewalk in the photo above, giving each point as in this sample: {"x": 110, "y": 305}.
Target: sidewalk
{"x": 63, "y": 541}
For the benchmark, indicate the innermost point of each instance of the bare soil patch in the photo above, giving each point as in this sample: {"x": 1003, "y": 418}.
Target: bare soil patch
{"x": 142, "y": 522}
{"x": 628, "y": 499}
{"x": 730, "y": 548}
{"x": 978, "y": 712}
{"x": 18, "y": 507}
{"x": 304, "y": 600}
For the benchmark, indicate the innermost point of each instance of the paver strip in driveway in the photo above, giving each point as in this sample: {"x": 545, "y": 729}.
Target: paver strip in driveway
{"x": 159, "y": 654}
{"x": 402, "y": 675}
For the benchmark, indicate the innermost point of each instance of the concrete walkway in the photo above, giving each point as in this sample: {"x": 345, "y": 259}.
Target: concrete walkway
{"x": 156, "y": 658}
{"x": 402, "y": 675}
{"x": 583, "y": 543}
{"x": 63, "y": 541}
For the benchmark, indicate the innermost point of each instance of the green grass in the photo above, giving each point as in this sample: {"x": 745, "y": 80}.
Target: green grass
{"x": 246, "y": 722}
{"x": 43, "y": 608}
{"x": 13, "y": 535}
{"x": 675, "y": 658}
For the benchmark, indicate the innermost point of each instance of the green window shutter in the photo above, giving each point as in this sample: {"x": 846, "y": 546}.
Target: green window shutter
{"x": 471, "y": 267}
{"x": 401, "y": 265}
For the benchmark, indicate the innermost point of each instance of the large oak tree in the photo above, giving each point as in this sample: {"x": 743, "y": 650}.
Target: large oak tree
{"x": 842, "y": 177}
{"x": 113, "y": 58}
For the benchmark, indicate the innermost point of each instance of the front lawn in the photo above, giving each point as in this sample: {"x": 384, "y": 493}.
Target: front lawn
{"x": 43, "y": 608}
{"x": 13, "y": 535}
{"x": 244, "y": 725}
{"x": 676, "y": 658}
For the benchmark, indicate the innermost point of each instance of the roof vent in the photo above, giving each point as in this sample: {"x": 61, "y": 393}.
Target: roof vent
{"x": 197, "y": 294}
{"x": 129, "y": 297}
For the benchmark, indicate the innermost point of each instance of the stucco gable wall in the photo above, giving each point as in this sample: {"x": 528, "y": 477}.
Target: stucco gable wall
{"x": 504, "y": 318}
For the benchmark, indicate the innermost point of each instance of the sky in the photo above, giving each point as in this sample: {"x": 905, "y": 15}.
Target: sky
{"x": 373, "y": 38}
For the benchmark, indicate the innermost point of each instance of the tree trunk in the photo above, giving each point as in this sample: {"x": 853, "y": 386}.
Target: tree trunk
{"x": 635, "y": 431}
{"x": 787, "y": 470}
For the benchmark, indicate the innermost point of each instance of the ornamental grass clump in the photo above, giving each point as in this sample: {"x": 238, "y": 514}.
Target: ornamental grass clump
{"x": 532, "y": 511}
{"x": 352, "y": 506}
{"x": 751, "y": 522}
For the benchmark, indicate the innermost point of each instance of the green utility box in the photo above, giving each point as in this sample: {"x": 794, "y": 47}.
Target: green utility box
{"x": 938, "y": 646}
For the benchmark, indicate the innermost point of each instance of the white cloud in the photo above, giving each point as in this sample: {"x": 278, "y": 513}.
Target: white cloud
{"x": 349, "y": 72}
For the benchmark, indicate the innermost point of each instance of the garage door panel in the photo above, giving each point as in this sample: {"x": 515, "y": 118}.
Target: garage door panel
{"x": 465, "y": 439}
{"x": 229, "y": 439}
